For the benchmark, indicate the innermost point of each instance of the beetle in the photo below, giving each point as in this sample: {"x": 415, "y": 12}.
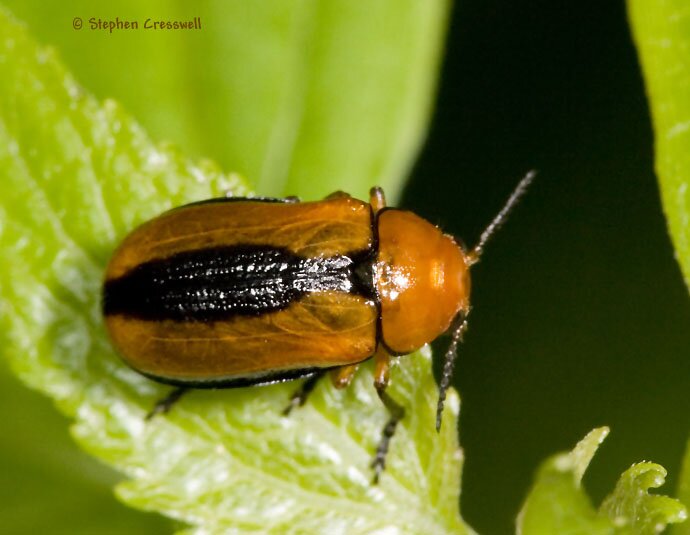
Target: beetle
{"x": 236, "y": 292}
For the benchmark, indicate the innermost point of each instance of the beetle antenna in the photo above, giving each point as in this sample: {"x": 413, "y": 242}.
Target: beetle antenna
{"x": 501, "y": 217}
{"x": 449, "y": 364}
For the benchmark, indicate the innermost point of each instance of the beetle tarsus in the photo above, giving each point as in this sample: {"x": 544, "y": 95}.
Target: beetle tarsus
{"x": 397, "y": 412}
{"x": 302, "y": 393}
{"x": 164, "y": 405}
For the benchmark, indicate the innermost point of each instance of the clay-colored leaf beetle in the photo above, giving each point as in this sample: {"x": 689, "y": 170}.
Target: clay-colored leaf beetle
{"x": 237, "y": 292}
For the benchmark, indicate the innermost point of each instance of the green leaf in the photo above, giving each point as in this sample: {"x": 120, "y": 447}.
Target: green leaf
{"x": 557, "y": 503}
{"x": 684, "y": 492}
{"x": 634, "y": 511}
{"x": 76, "y": 176}
{"x": 360, "y": 96}
{"x": 251, "y": 469}
{"x": 661, "y": 31}
{"x": 302, "y": 96}
{"x": 44, "y": 471}
{"x": 662, "y": 35}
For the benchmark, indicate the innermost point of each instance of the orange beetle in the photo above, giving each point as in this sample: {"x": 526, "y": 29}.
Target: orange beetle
{"x": 238, "y": 292}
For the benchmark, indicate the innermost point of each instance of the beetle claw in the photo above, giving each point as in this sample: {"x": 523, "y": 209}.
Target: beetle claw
{"x": 378, "y": 465}
{"x": 164, "y": 405}
{"x": 302, "y": 393}
{"x": 295, "y": 401}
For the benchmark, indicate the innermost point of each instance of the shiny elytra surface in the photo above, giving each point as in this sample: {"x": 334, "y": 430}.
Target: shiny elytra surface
{"x": 317, "y": 330}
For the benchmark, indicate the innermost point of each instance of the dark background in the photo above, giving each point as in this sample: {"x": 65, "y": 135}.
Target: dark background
{"x": 580, "y": 315}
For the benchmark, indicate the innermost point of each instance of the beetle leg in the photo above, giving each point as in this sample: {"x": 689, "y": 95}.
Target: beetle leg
{"x": 164, "y": 405}
{"x": 302, "y": 393}
{"x": 396, "y": 411}
{"x": 377, "y": 199}
{"x": 342, "y": 376}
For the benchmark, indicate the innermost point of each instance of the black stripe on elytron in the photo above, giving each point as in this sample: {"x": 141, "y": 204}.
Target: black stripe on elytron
{"x": 221, "y": 282}
{"x": 375, "y": 248}
{"x": 265, "y": 379}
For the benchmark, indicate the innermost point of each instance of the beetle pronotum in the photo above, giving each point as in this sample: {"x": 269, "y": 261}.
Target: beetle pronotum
{"x": 239, "y": 292}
